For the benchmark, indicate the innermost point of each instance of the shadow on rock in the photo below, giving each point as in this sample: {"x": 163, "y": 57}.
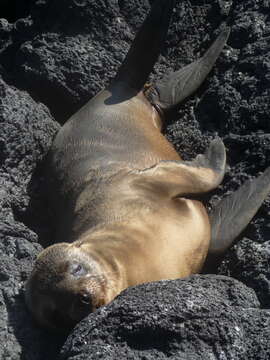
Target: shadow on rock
{"x": 35, "y": 343}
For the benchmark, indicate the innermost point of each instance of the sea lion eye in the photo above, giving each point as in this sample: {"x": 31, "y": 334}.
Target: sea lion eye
{"x": 77, "y": 269}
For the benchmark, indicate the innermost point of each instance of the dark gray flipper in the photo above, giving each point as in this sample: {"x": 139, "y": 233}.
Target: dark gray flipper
{"x": 173, "y": 89}
{"x": 146, "y": 47}
{"x": 230, "y": 217}
{"x": 178, "y": 178}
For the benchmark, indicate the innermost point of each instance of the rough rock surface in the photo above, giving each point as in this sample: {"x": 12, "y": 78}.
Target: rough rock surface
{"x": 55, "y": 55}
{"x": 175, "y": 319}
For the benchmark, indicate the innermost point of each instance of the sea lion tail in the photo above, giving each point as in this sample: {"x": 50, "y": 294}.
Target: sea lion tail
{"x": 230, "y": 217}
{"x": 174, "y": 88}
{"x": 146, "y": 47}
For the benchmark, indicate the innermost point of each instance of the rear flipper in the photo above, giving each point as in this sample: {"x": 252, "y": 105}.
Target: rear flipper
{"x": 171, "y": 90}
{"x": 146, "y": 46}
{"x": 230, "y": 217}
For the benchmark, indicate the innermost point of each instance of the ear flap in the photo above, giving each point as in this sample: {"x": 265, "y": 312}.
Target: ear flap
{"x": 171, "y": 90}
{"x": 230, "y": 217}
{"x": 145, "y": 49}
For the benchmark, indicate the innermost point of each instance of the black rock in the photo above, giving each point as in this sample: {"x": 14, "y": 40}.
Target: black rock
{"x": 203, "y": 317}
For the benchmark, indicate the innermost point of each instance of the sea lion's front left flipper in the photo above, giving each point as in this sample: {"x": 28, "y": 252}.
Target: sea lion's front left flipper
{"x": 173, "y": 89}
{"x": 178, "y": 178}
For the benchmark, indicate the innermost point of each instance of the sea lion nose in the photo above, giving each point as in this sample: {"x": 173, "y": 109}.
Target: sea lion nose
{"x": 85, "y": 299}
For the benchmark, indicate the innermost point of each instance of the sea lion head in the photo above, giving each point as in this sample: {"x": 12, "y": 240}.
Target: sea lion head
{"x": 66, "y": 284}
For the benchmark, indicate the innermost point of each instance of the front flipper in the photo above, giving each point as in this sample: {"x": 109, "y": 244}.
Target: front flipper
{"x": 178, "y": 178}
{"x": 171, "y": 90}
{"x": 230, "y": 217}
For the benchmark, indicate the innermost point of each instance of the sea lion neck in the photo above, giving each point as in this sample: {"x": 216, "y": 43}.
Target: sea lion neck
{"x": 116, "y": 238}
{"x": 108, "y": 265}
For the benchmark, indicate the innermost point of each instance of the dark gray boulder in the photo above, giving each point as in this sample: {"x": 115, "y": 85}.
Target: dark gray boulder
{"x": 249, "y": 262}
{"x": 203, "y": 317}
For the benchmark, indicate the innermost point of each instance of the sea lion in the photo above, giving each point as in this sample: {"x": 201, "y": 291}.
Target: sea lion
{"x": 125, "y": 202}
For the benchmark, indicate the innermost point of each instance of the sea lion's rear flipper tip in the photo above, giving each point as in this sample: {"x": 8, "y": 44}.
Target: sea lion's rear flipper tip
{"x": 230, "y": 217}
{"x": 171, "y": 90}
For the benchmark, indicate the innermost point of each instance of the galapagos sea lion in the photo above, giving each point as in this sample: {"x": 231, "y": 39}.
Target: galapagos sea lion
{"x": 125, "y": 202}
